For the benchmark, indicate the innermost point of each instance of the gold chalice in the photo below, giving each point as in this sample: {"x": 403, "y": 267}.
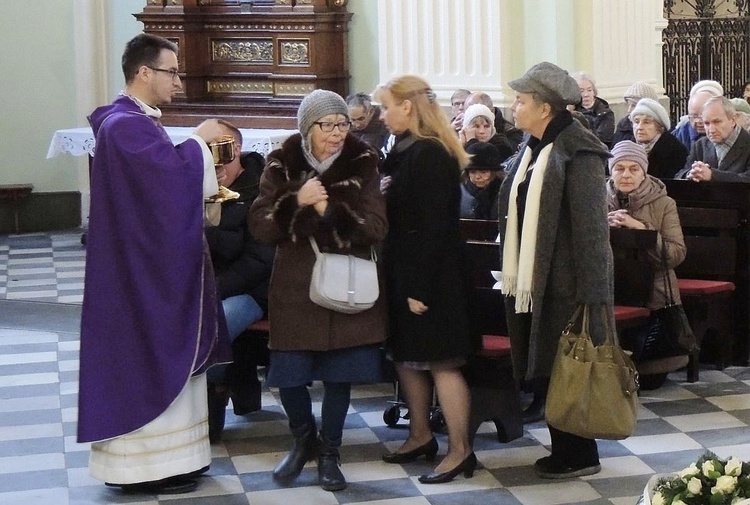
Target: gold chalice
{"x": 222, "y": 150}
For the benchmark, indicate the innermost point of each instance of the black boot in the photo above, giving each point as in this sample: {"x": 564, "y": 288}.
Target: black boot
{"x": 330, "y": 477}
{"x": 217, "y": 410}
{"x": 304, "y": 448}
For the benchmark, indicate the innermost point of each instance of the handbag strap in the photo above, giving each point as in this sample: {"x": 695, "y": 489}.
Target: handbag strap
{"x": 583, "y": 310}
{"x": 667, "y": 281}
{"x": 316, "y": 249}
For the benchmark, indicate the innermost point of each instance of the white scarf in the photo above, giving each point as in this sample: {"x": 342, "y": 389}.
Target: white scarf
{"x": 518, "y": 262}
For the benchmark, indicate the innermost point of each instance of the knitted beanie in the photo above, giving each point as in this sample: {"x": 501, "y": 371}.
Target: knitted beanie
{"x": 485, "y": 156}
{"x": 640, "y": 89}
{"x": 653, "y": 109}
{"x": 627, "y": 150}
{"x": 712, "y": 87}
{"x": 740, "y": 105}
{"x": 478, "y": 110}
{"x": 317, "y": 104}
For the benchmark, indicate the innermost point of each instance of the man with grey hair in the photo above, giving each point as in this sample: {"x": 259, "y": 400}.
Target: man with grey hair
{"x": 457, "y": 108}
{"x": 690, "y": 127}
{"x": 724, "y": 153}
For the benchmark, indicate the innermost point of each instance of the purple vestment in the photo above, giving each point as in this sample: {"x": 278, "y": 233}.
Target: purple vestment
{"x": 151, "y": 316}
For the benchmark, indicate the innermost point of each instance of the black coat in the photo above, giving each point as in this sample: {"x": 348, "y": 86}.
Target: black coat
{"x": 241, "y": 263}
{"x": 624, "y": 131}
{"x": 424, "y": 255}
{"x": 602, "y": 120}
{"x": 667, "y": 157}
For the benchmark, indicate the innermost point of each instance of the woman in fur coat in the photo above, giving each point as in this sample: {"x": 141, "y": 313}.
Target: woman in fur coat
{"x": 322, "y": 183}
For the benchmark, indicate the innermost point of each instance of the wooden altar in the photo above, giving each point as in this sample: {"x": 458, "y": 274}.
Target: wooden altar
{"x": 251, "y": 61}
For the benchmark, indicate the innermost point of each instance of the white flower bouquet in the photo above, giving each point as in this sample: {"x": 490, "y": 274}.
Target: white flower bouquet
{"x": 709, "y": 481}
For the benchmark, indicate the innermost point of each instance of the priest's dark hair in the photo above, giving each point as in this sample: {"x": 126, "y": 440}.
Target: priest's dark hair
{"x": 143, "y": 49}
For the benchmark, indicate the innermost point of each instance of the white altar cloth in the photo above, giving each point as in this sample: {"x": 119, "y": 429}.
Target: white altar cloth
{"x": 80, "y": 141}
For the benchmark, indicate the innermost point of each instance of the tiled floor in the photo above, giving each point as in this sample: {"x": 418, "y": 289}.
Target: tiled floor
{"x": 41, "y": 464}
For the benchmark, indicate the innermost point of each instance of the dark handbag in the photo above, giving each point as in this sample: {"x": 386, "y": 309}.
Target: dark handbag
{"x": 344, "y": 282}
{"x": 593, "y": 390}
{"x": 674, "y": 323}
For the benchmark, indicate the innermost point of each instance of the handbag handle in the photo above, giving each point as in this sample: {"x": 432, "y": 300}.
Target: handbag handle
{"x": 611, "y": 335}
{"x": 316, "y": 250}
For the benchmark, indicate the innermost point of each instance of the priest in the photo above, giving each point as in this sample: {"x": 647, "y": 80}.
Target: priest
{"x": 151, "y": 321}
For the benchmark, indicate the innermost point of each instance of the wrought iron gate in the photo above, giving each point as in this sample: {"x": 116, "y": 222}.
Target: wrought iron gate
{"x": 705, "y": 39}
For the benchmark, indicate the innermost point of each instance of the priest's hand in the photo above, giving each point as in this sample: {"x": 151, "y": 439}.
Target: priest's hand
{"x": 209, "y": 130}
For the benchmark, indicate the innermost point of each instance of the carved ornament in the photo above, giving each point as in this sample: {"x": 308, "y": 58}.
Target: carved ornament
{"x": 295, "y": 52}
{"x": 240, "y": 87}
{"x": 246, "y": 51}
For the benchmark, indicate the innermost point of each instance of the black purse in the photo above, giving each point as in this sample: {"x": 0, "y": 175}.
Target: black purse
{"x": 675, "y": 331}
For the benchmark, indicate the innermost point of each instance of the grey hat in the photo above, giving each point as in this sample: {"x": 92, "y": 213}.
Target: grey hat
{"x": 627, "y": 150}
{"x": 553, "y": 84}
{"x": 653, "y": 109}
{"x": 740, "y": 105}
{"x": 640, "y": 89}
{"x": 317, "y": 104}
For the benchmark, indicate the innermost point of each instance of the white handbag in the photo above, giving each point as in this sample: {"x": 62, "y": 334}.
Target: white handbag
{"x": 343, "y": 282}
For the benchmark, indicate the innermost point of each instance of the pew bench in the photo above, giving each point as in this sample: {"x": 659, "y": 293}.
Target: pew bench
{"x": 705, "y": 280}
{"x": 15, "y": 192}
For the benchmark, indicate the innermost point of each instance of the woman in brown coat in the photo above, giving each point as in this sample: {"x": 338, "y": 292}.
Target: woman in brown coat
{"x": 639, "y": 201}
{"x": 322, "y": 183}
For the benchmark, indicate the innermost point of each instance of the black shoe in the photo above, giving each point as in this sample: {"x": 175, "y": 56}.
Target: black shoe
{"x": 246, "y": 396}
{"x": 548, "y": 468}
{"x": 217, "y": 411}
{"x": 534, "y": 412}
{"x": 170, "y": 485}
{"x": 467, "y": 466}
{"x": 429, "y": 450}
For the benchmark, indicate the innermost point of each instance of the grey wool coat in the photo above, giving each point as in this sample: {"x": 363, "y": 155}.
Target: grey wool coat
{"x": 573, "y": 263}
{"x": 354, "y": 221}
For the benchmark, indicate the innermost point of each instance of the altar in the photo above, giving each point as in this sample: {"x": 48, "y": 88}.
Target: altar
{"x": 80, "y": 141}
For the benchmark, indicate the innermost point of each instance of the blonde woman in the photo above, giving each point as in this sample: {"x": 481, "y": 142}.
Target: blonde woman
{"x": 425, "y": 273}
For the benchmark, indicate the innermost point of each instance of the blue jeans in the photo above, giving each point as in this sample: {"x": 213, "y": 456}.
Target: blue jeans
{"x": 240, "y": 312}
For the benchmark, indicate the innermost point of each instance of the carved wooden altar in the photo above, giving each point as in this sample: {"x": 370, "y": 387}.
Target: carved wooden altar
{"x": 251, "y": 61}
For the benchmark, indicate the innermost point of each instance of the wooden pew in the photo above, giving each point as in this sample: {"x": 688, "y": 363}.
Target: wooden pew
{"x": 495, "y": 395}
{"x": 714, "y": 219}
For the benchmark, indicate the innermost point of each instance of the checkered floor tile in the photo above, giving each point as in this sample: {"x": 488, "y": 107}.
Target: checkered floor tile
{"x": 41, "y": 464}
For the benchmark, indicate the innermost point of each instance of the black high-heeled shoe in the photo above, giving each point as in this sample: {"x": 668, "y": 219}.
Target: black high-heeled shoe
{"x": 429, "y": 450}
{"x": 467, "y": 466}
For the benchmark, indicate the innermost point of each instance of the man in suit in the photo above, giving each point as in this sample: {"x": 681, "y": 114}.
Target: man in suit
{"x": 724, "y": 153}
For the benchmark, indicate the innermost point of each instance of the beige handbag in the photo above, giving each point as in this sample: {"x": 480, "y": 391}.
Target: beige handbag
{"x": 593, "y": 390}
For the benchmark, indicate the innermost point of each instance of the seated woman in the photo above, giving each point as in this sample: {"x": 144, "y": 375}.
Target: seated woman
{"x": 666, "y": 154}
{"x": 596, "y": 109}
{"x": 481, "y": 182}
{"x": 479, "y": 126}
{"x": 639, "y": 201}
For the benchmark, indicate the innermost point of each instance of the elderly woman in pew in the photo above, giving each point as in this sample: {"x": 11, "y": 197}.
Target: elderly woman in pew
{"x": 639, "y": 201}
{"x": 666, "y": 154}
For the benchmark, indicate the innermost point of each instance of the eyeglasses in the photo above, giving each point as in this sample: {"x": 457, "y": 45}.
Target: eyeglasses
{"x": 173, "y": 73}
{"x": 327, "y": 126}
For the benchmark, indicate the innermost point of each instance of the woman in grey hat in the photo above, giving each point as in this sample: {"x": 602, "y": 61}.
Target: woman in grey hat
{"x": 666, "y": 154}
{"x": 321, "y": 183}
{"x": 556, "y": 252}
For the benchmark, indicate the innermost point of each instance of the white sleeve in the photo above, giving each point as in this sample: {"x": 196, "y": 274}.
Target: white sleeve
{"x": 210, "y": 185}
